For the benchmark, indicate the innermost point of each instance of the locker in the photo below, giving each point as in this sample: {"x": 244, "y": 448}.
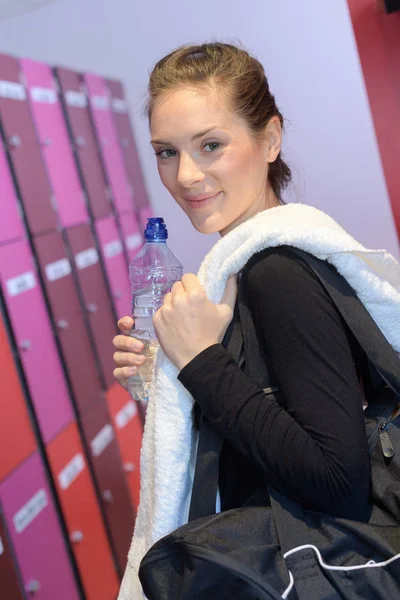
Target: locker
{"x": 112, "y": 251}
{"x": 24, "y": 150}
{"x": 95, "y": 294}
{"x": 109, "y": 472}
{"x": 36, "y": 534}
{"x": 70, "y": 324}
{"x": 34, "y": 338}
{"x": 84, "y": 142}
{"x": 100, "y": 104}
{"x": 133, "y": 238}
{"x": 145, "y": 213}
{"x": 17, "y": 440}
{"x": 82, "y": 515}
{"x": 126, "y": 140}
{"x": 10, "y": 577}
{"x": 54, "y": 141}
{"x": 129, "y": 431}
{"x": 11, "y": 227}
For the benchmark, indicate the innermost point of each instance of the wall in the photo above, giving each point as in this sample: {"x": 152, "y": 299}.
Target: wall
{"x": 309, "y": 52}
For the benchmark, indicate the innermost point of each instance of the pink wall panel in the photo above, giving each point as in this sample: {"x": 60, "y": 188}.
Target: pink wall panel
{"x": 132, "y": 234}
{"x": 11, "y": 226}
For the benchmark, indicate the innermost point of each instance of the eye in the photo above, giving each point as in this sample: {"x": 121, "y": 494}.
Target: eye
{"x": 166, "y": 153}
{"x": 212, "y": 146}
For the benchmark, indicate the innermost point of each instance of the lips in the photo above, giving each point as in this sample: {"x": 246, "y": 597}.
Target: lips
{"x": 200, "y": 197}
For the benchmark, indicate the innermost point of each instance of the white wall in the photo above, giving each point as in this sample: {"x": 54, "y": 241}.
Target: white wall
{"x": 310, "y": 56}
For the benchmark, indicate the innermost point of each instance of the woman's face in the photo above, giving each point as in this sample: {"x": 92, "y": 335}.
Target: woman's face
{"x": 209, "y": 161}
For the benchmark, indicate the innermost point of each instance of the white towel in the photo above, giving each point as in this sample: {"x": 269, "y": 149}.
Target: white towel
{"x": 169, "y": 441}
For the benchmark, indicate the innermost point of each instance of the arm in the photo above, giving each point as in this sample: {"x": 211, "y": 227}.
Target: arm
{"x": 313, "y": 445}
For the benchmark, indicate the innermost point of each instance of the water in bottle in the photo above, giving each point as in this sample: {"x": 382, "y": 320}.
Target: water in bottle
{"x": 152, "y": 273}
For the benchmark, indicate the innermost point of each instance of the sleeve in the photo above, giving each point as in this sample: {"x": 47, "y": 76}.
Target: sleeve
{"x": 312, "y": 444}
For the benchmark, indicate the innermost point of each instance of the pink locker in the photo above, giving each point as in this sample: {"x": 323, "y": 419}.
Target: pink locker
{"x": 55, "y": 144}
{"x": 100, "y": 104}
{"x": 11, "y": 227}
{"x": 126, "y": 139}
{"x": 36, "y": 533}
{"x": 132, "y": 235}
{"x": 145, "y": 213}
{"x": 34, "y": 338}
{"x": 22, "y": 143}
{"x": 112, "y": 251}
{"x": 84, "y": 141}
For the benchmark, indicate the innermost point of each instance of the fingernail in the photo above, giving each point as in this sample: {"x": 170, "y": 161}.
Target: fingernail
{"x": 137, "y": 345}
{"x": 132, "y": 371}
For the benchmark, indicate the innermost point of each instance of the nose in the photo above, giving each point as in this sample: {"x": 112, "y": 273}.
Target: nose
{"x": 188, "y": 171}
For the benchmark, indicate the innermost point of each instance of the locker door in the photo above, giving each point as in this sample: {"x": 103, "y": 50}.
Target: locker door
{"x": 11, "y": 226}
{"x": 23, "y": 145}
{"x": 69, "y": 320}
{"x": 126, "y": 140}
{"x": 34, "y": 338}
{"x": 108, "y": 468}
{"x": 116, "y": 268}
{"x": 54, "y": 140}
{"x": 145, "y": 213}
{"x": 129, "y": 430}
{"x": 82, "y": 515}
{"x": 17, "y": 441}
{"x": 133, "y": 239}
{"x": 99, "y": 97}
{"x": 36, "y": 533}
{"x": 95, "y": 294}
{"x": 10, "y": 578}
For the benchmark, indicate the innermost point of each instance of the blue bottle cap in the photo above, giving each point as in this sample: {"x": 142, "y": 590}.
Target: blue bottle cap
{"x": 156, "y": 229}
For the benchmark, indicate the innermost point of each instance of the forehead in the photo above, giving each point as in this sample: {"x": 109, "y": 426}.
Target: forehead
{"x": 188, "y": 110}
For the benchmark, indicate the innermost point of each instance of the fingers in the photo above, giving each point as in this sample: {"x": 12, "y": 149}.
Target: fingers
{"x": 128, "y": 359}
{"x": 121, "y": 374}
{"x": 191, "y": 282}
{"x": 127, "y": 344}
{"x": 125, "y": 324}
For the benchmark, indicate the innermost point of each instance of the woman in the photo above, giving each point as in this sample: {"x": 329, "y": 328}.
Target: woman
{"x": 217, "y": 133}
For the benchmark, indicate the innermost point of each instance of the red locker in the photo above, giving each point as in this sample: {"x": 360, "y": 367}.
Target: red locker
{"x": 109, "y": 472}
{"x": 133, "y": 238}
{"x": 11, "y": 227}
{"x": 129, "y": 429}
{"x": 10, "y": 578}
{"x": 54, "y": 140}
{"x": 126, "y": 139}
{"x": 84, "y": 141}
{"x": 17, "y": 440}
{"x": 23, "y": 146}
{"x": 69, "y": 320}
{"x": 82, "y": 515}
{"x": 95, "y": 294}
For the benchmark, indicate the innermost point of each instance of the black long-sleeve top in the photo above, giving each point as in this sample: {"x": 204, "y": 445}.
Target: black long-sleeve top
{"x": 311, "y": 443}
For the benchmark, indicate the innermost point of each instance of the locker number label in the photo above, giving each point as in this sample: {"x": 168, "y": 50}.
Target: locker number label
{"x": 77, "y": 99}
{"x": 120, "y": 105}
{"x": 58, "y": 269}
{"x": 113, "y": 248}
{"x": 20, "y": 284}
{"x": 126, "y": 414}
{"x": 43, "y": 95}
{"x": 12, "y": 90}
{"x": 71, "y": 471}
{"x": 100, "y": 102}
{"x": 1, "y": 547}
{"x": 30, "y": 511}
{"x": 86, "y": 258}
{"x": 102, "y": 440}
{"x": 133, "y": 241}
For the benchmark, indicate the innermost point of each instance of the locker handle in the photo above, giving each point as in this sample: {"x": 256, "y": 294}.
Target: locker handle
{"x": 62, "y": 324}
{"x": 76, "y": 536}
{"x": 92, "y": 308}
{"x": 25, "y": 345}
{"x": 129, "y": 467}
{"x": 46, "y": 142}
{"x": 32, "y": 586}
{"x": 107, "y": 496}
{"x": 15, "y": 141}
{"x": 80, "y": 141}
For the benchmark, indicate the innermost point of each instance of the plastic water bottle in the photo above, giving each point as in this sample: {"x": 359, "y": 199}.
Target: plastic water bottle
{"x": 152, "y": 273}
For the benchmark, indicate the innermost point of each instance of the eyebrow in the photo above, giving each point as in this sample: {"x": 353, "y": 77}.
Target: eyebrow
{"x": 197, "y": 135}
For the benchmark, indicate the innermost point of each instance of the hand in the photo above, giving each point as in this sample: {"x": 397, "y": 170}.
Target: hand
{"x": 128, "y": 357}
{"x": 188, "y": 322}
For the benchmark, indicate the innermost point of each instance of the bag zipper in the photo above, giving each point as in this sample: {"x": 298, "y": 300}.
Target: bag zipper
{"x": 386, "y": 444}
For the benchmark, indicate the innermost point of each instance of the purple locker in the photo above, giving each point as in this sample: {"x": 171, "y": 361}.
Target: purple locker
{"x": 133, "y": 238}
{"x": 95, "y": 294}
{"x": 100, "y": 103}
{"x": 112, "y": 251}
{"x": 24, "y": 150}
{"x": 36, "y": 534}
{"x": 126, "y": 139}
{"x": 67, "y": 312}
{"x": 11, "y": 227}
{"x": 84, "y": 141}
{"x": 54, "y": 140}
{"x": 34, "y": 338}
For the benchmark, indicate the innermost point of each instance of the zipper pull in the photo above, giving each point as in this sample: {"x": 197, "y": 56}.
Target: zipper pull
{"x": 386, "y": 444}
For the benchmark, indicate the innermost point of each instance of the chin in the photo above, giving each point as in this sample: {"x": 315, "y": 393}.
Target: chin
{"x": 208, "y": 225}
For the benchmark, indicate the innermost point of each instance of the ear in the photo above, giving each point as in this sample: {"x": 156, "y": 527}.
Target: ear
{"x": 273, "y": 136}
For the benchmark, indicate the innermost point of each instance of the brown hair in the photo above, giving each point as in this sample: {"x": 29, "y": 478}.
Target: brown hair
{"x": 244, "y": 80}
